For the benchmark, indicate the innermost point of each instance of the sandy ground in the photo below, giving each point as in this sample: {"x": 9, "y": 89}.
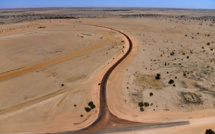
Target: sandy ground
{"x": 33, "y": 97}
{"x": 192, "y": 96}
{"x": 177, "y": 49}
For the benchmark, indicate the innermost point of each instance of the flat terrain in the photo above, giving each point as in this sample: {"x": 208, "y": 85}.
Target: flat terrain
{"x": 50, "y": 69}
{"x": 51, "y": 74}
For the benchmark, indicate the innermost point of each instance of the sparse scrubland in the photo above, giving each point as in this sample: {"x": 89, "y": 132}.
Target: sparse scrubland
{"x": 178, "y": 69}
{"x": 56, "y": 59}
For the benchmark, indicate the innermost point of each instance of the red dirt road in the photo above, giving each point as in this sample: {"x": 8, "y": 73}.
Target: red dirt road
{"x": 106, "y": 121}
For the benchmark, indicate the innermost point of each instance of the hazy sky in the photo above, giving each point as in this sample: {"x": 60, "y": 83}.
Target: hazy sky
{"x": 199, "y": 4}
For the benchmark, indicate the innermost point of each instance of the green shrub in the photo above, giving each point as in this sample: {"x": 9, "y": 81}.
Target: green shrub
{"x": 172, "y": 53}
{"x": 140, "y": 104}
{"x": 87, "y": 109}
{"x": 141, "y": 109}
{"x": 146, "y": 104}
{"x": 209, "y": 131}
{"x": 158, "y": 77}
{"x": 171, "y": 81}
{"x": 41, "y": 27}
{"x": 151, "y": 94}
{"x": 92, "y": 106}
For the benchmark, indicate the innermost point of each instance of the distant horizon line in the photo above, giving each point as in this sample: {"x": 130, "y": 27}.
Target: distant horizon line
{"x": 109, "y": 7}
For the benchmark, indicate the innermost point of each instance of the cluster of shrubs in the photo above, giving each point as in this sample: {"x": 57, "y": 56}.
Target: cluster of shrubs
{"x": 91, "y": 106}
{"x": 171, "y": 81}
{"x": 209, "y": 131}
{"x": 172, "y": 53}
{"x": 141, "y": 105}
{"x": 158, "y": 76}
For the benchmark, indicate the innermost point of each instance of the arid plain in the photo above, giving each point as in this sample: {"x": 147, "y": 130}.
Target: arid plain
{"x": 53, "y": 62}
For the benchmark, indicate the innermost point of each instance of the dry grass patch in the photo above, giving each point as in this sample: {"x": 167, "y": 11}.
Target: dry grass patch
{"x": 148, "y": 81}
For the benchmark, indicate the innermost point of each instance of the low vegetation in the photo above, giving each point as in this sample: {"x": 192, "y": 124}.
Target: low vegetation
{"x": 158, "y": 77}
{"x": 209, "y": 131}
{"x": 91, "y": 105}
{"x": 87, "y": 109}
{"x": 40, "y": 27}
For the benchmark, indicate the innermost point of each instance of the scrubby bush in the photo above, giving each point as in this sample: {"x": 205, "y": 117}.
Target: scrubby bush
{"x": 41, "y": 27}
{"x": 87, "y": 109}
{"x": 151, "y": 94}
{"x": 146, "y": 104}
{"x": 157, "y": 77}
{"x": 91, "y": 105}
{"x": 141, "y": 109}
{"x": 209, "y": 131}
{"x": 140, "y": 104}
{"x": 171, "y": 81}
{"x": 172, "y": 53}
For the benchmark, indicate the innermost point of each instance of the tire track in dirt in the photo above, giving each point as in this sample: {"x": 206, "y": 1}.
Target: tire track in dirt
{"x": 32, "y": 102}
{"x": 51, "y": 62}
{"x": 41, "y": 65}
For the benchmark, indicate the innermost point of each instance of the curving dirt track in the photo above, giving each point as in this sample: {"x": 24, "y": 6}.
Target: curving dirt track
{"x": 106, "y": 121}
